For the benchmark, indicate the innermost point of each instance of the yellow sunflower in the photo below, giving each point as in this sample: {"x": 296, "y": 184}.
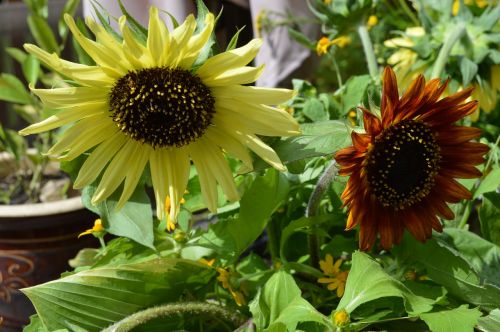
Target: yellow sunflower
{"x": 146, "y": 104}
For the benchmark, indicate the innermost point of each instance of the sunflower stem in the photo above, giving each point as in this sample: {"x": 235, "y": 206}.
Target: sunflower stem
{"x": 369, "y": 52}
{"x": 174, "y": 310}
{"x": 313, "y": 206}
{"x": 444, "y": 52}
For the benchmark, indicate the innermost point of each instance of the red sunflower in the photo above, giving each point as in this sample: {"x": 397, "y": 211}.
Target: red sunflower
{"x": 403, "y": 169}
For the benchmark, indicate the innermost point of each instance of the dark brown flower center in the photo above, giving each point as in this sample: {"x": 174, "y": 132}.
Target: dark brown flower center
{"x": 162, "y": 106}
{"x": 402, "y": 164}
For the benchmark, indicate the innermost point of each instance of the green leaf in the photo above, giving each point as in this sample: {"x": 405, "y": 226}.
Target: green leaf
{"x": 69, "y": 8}
{"x": 468, "y": 69}
{"x": 490, "y": 183}
{"x": 43, "y": 34}
{"x": 230, "y": 237}
{"x": 490, "y": 323}
{"x": 489, "y": 214}
{"x": 207, "y": 49}
{"x": 134, "y": 220}
{"x": 367, "y": 281}
{"x": 140, "y": 31}
{"x": 461, "y": 319}
{"x": 280, "y": 307}
{"x": 355, "y": 89}
{"x": 16, "y": 54}
{"x": 93, "y": 299}
{"x": 302, "y": 39}
{"x": 447, "y": 267}
{"x": 31, "y": 69}
{"x": 317, "y": 139}
{"x": 482, "y": 255}
{"x": 12, "y": 142}
{"x": 13, "y": 90}
{"x": 315, "y": 110}
{"x": 234, "y": 40}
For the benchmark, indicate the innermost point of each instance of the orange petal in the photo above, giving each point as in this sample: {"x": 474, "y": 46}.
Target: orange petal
{"x": 457, "y": 134}
{"x": 390, "y": 96}
{"x": 452, "y": 188}
{"x": 462, "y": 171}
{"x": 371, "y": 122}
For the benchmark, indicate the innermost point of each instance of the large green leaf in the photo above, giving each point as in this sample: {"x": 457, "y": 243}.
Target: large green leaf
{"x": 489, "y": 183}
{"x": 447, "y": 267}
{"x": 489, "y": 214}
{"x": 42, "y": 33}
{"x": 230, "y": 237}
{"x": 482, "y": 255}
{"x": 134, "y": 220}
{"x": 93, "y": 299}
{"x": 317, "y": 139}
{"x": 461, "y": 319}
{"x": 367, "y": 281}
{"x": 490, "y": 323}
{"x": 355, "y": 89}
{"x": 280, "y": 307}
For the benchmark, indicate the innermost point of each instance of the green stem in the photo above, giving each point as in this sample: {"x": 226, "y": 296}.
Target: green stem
{"x": 174, "y": 310}
{"x": 369, "y": 52}
{"x": 444, "y": 52}
{"x": 465, "y": 216}
{"x": 408, "y": 12}
{"x": 313, "y": 206}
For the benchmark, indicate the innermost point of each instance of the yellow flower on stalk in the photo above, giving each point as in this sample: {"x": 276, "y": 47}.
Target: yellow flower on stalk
{"x": 341, "y": 318}
{"x": 479, "y": 3}
{"x": 146, "y": 104}
{"x": 324, "y": 44}
{"x": 96, "y": 229}
{"x": 226, "y": 279}
{"x": 334, "y": 277}
{"x": 372, "y": 21}
{"x": 327, "y": 2}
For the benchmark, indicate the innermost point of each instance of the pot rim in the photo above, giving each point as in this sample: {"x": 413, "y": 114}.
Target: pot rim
{"x": 41, "y": 209}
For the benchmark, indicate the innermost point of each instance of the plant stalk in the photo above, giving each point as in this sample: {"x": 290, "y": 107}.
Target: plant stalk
{"x": 445, "y": 50}
{"x": 369, "y": 52}
{"x": 313, "y": 206}
{"x": 174, "y": 310}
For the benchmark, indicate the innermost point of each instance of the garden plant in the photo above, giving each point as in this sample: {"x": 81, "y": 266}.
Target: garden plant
{"x": 365, "y": 198}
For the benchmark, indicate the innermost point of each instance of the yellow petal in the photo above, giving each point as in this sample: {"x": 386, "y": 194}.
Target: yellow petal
{"x": 135, "y": 168}
{"x": 180, "y": 38}
{"x": 93, "y": 137}
{"x": 261, "y": 149}
{"x": 230, "y": 144}
{"x": 251, "y": 94}
{"x": 197, "y": 42}
{"x": 103, "y": 56}
{"x": 235, "y": 58}
{"x": 66, "y": 116}
{"x": 265, "y": 120}
{"x": 115, "y": 172}
{"x": 85, "y": 75}
{"x": 207, "y": 179}
{"x": 158, "y": 37}
{"x": 98, "y": 159}
{"x": 241, "y": 75}
{"x": 178, "y": 166}
{"x": 157, "y": 161}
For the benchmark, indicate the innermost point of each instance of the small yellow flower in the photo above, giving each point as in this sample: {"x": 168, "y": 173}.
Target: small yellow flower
{"x": 327, "y": 2}
{"x": 97, "y": 229}
{"x": 324, "y": 44}
{"x": 352, "y": 115}
{"x": 259, "y": 22}
{"x": 372, "y": 21}
{"x": 341, "y": 318}
{"x": 208, "y": 262}
{"x": 334, "y": 277}
{"x": 226, "y": 278}
{"x": 410, "y": 275}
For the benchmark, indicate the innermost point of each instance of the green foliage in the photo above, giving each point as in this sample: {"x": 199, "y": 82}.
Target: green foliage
{"x": 461, "y": 319}
{"x": 93, "y": 299}
{"x": 230, "y": 237}
{"x": 280, "y": 307}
